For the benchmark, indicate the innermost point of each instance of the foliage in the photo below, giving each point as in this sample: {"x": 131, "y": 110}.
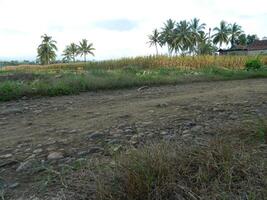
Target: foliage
{"x": 154, "y": 40}
{"x": 70, "y": 52}
{"x": 84, "y": 49}
{"x": 253, "y": 64}
{"x": 47, "y": 50}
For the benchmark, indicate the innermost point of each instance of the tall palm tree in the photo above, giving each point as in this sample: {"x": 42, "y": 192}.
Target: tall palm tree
{"x": 70, "y": 52}
{"x": 47, "y": 50}
{"x": 205, "y": 46}
{"x": 221, "y": 34}
{"x": 197, "y": 29}
{"x": 84, "y": 48}
{"x": 183, "y": 37}
{"x": 167, "y": 35}
{"x": 235, "y": 32}
{"x": 154, "y": 40}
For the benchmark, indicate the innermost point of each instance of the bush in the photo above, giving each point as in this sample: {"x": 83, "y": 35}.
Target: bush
{"x": 253, "y": 64}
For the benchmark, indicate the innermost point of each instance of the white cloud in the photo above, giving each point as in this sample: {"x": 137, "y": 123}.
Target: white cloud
{"x": 23, "y": 22}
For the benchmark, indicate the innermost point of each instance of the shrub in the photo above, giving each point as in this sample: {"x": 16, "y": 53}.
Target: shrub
{"x": 253, "y": 64}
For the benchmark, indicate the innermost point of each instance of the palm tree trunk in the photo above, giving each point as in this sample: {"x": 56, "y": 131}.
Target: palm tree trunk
{"x": 157, "y": 52}
{"x": 84, "y": 57}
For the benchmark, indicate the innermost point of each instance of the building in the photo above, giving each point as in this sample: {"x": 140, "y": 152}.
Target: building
{"x": 258, "y": 47}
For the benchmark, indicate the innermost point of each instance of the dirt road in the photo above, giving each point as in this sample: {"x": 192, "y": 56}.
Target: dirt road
{"x": 71, "y": 127}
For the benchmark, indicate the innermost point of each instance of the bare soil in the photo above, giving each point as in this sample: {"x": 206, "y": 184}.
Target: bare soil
{"x": 101, "y": 123}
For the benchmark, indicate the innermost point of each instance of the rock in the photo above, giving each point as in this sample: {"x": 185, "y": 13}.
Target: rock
{"x": 26, "y": 166}
{"x": 164, "y": 133}
{"x": 187, "y": 136}
{"x": 142, "y": 88}
{"x": 9, "y": 155}
{"x": 13, "y": 185}
{"x": 12, "y": 111}
{"x": 55, "y": 156}
{"x": 162, "y": 105}
{"x": 196, "y": 128}
{"x": 233, "y": 117}
{"x": 95, "y": 150}
{"x": 36, "y": 151}
{"x": 95, "y": 136}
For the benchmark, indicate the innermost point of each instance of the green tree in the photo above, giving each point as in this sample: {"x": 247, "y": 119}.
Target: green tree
{"x": 205, "y": 46}
{"x": 251, "y": 39}
{"x": 70, "y": 52}
{"x": 197, "y": 29}
{"x": 235, "y": 32}
{"x": 154, "y": 40}
{"x": 183, "y": 37}
{"x": 47, "y": 50}
{"x": 84, "y": 49}
{"x": 167, "y": 35}
{"x": 221, "y": 34}
{"x": 242, "y": 40}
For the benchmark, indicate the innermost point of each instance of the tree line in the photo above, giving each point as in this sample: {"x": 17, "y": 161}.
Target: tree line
{"x": 190, "y": 37}
{"x": 46, "y": 51}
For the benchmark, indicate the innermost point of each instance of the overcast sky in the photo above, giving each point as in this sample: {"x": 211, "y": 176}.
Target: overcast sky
{"x": 118, "y": 28}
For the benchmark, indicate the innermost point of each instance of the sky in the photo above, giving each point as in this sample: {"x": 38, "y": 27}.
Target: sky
{"x": 117, "y": 28}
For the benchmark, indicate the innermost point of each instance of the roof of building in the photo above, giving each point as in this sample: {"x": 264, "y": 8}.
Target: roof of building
{"x": 258, "y": 45}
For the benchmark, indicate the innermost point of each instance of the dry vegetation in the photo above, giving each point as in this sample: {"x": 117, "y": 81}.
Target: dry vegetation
{"x": 181, "y": 62}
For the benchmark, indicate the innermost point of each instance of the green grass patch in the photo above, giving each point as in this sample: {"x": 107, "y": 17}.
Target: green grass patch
{"x": 15, "y": 84}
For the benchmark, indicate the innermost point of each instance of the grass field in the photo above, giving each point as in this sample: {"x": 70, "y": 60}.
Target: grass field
{"x": 65, "y": 79}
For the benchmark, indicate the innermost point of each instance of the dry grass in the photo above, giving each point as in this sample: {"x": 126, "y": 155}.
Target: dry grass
{"x": 191, "y": 62}
{"x": 219, "y": 170}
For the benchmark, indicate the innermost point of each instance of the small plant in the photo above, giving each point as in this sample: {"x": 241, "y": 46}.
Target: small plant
{"x": 253, "y": 64}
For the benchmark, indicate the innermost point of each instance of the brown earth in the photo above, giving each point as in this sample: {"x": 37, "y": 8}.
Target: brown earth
{"x": 60, "y": 130}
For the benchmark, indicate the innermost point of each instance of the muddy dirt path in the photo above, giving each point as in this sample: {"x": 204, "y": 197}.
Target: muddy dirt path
{"x": 70, "y": 127}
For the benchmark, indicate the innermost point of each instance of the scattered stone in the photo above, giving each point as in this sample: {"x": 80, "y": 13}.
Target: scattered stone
{"x": 55, "y": 156}
{"x": 196, "y": 128}
{"x": 14, "y": 185}
{"x": 233, "y": 117}
{"x": 95, "y": 150}
{"x": 95, "y": 136}
{"x": 9, "y": 155}
{"x": 36, "y": 151}
{"x": 26, "y": 166}
{"x": 142, "y": 88}
{"x": 164, "y": 133}
{"x": 162, "y": 105}
{"x": 11, "y": 111}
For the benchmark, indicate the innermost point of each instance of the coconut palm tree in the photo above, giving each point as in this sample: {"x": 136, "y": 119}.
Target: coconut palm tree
{"x": 221, "y": 34}
{"x": 167, "y": 35}
{"x": 154, "y": 40}
{"x": 197, "y": 29}
{"x": 70, "y": 52}
{"x": 183, "y": 37}
{"x": 47, "y": 50}
{"x": 235, "y": 32}
{"x": 84, "y": 49}
{"x": 205, "y": 46}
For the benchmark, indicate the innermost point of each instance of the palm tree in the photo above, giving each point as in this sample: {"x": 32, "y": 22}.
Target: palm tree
{"x": 183, "y": 37}
{"x": 205, "y": 46}
{"x": 167, "y": 35}
{"x": 84, "y": 48}
{"x": 221, "y": 34}
{"x": 235, "y": 32}
{"x": 154, "y": 40}
{"x": 70, "y": 52}
{"x": 47, "y": 50}
{"x": 197, "y": 29}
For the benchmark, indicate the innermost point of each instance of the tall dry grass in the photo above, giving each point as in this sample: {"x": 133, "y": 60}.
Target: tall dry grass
{"x": 183, "y": 62}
